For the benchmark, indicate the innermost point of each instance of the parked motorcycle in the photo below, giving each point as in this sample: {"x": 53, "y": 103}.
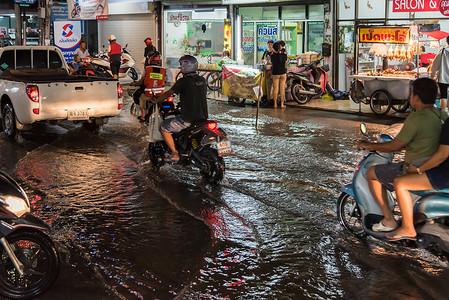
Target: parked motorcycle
{"x": 101, "y": 63}
{"x": 202, "y": 144}
{"x": 357, "y": 211}
{"x": 310, "y": 81}
{"x": 87, "y": 69}
{"x": 29, "y": 261}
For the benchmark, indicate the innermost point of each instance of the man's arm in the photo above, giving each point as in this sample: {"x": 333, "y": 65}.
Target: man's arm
{"x": 164, "y": 96}
{"x": 441, "y": 155}
{"x": 392, "y": 146}
{"x": 436, "y": 63}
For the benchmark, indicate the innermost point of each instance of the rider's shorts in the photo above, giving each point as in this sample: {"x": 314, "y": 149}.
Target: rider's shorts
{"x": 387, "y": 173}
{"x": 174, "y": 125}
{"x": 437, "y": 179}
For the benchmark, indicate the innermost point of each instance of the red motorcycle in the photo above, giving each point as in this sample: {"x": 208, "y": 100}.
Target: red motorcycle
{"x": 309, "y": 82}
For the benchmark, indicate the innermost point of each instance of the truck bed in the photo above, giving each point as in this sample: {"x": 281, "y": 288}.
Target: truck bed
{"x": 46, "y": 75}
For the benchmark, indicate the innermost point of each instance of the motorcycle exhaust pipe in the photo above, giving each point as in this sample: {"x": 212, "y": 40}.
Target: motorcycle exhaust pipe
{"x": 307, "y": 92}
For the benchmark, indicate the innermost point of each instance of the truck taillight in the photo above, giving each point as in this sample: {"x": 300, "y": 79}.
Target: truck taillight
{"x": 120, "y": 106}
{"x": 33, "y": 92}
{"x": 119, "y": 90}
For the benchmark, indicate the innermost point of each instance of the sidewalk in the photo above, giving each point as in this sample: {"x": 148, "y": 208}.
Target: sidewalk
{"x": 340, "y": 106}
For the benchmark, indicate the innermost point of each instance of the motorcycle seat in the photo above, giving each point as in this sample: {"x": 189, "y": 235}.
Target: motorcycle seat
{"x": 428, "y": 192}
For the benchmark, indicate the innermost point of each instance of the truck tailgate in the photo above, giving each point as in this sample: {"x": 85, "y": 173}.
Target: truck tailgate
{"x": 78, "y": 100}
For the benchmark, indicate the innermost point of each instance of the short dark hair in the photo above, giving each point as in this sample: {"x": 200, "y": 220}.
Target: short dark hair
{"x": 277, "y": 46}
{"x": 426, "y": 89}
{"x": 270, "y": 42}
{"x": 282, "y": 43}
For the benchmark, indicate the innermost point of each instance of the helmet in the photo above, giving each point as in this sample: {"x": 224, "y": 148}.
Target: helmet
{"x": 111, "y": 38}
{"x": 148, "y": 41}
{"x": 189, "y": 64}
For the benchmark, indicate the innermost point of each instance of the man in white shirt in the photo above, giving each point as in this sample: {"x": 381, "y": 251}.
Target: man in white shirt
{"x": 441, "y": 65}
{"x": 79, "y": 54}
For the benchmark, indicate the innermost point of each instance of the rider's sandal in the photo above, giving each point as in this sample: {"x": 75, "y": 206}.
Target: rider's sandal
{"x": 393, "y": 236}
{"x": 172, "y": 158}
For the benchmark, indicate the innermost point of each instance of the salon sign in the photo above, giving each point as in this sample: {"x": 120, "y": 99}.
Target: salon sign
{"x": 176, "y": 17}
{"x": 391, "y": 35}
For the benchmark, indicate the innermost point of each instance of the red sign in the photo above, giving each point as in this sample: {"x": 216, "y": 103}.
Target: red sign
{"x": 416, "y": 5}
{"x": 444, "y": 7}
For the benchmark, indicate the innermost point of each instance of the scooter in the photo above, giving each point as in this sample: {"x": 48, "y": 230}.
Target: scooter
{"x": 29, "y": 261}
{"x": 202, "y": 144}
{"x": 357, "y": 211}
{"x": 87, "y": 69}
{"x": 310, "y": 81}
{"x": 101, "y": 62}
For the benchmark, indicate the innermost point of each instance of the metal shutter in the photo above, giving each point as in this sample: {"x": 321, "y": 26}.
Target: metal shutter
{"x": 131, "y": 30}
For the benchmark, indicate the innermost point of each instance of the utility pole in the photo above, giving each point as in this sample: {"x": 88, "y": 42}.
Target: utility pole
{"x": 44, "y": 13}
{"x": 18, "y": 24}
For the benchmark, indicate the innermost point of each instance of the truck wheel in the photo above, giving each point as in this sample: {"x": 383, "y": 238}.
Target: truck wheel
{"x": 9, "y": 121}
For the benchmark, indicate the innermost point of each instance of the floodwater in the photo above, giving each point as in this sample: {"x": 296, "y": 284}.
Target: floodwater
{"x": 268, "y": 231}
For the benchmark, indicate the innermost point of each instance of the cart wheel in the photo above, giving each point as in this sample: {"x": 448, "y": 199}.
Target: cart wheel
{"x": 380, "y": 102}
{"x": 401, "y": 107}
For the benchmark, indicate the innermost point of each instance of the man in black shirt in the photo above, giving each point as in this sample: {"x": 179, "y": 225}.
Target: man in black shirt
{"x": 192, "y": 89}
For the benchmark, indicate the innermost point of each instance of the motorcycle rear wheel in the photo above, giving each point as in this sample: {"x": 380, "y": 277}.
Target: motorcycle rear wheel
{"x": 296, "y": 94}
{"x": 40, "y": 259}
{"x": 349, "y": 215}
{"x": 214, "y": 168}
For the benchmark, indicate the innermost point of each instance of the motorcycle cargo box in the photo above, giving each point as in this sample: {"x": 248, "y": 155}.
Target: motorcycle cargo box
{"x": 154, "y": 81}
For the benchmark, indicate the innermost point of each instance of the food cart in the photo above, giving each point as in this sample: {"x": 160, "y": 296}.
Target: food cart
{"x": 388, "y": 88}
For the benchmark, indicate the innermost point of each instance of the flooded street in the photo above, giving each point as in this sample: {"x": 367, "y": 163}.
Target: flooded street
{"x": 268, "y": 231}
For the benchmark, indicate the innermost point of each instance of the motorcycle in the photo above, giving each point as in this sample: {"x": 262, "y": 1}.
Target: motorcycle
{"x": 310, "y": 81}
{"x": 101, "y": 64}
{"x": 87, "y": 69}
{"x": 29, "y": 261}
{"x": 202, "y": 144}
{"x": 357, "y": 211}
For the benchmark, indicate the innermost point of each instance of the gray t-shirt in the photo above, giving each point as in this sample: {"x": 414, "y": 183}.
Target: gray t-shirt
{"x": 80, "y": 53}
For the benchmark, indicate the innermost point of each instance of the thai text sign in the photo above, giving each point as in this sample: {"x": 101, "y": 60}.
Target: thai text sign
{"x": 88, "y": 9}
{"x": 67, "y": 37}
{"x": 392, "y": 35}
{"x": 415, "y": 5}
{"x": 175, "y": 17}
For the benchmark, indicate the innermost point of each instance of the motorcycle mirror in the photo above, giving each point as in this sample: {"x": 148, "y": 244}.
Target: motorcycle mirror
{"x": 363, "y": 128}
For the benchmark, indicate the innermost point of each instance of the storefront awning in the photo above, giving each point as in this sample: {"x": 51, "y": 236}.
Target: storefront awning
{"x": 436, "y": 34}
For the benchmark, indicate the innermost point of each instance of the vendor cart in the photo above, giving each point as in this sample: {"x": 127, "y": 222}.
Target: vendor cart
{"x": 388, "y": 88}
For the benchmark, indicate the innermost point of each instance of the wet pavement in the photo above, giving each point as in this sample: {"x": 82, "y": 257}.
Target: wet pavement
{"x": 268, "y": 231}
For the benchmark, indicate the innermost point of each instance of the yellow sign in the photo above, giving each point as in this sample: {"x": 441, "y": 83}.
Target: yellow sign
{"x": 156, "y": 76}
{"x": 389, "y": 35}
{"x": 227, "y": 45}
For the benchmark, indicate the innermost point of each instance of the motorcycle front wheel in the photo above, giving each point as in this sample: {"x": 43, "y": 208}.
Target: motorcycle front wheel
{"x": 349, "y": 215}
{"x": 41, "y": 265}
{"x": 214, "y": 168}
{"x": 156, "y": 152}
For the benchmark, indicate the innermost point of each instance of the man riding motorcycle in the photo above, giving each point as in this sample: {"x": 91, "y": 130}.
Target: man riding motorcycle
{"x": 192, "y": 89}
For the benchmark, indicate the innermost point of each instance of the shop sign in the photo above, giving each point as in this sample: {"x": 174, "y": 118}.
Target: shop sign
{"x": 415, "y": 5}
{"x": 392, "y": 35}
{"x": 88, "y": 9}
{"x": 444, "y": 7}
{"x": 25, "y": 1}
{"x": 67, "y": 37}
{"x": 176, "y": 17}
{"x": 267, "y": 31}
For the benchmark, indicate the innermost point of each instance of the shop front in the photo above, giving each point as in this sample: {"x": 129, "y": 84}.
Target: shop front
{"x": 300, "y": 26}
{"x": 363, "y": 23}
{"x": 196, "y": 31}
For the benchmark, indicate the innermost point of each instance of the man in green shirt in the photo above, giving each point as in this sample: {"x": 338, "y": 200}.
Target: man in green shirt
{"x": 419, "y": 135}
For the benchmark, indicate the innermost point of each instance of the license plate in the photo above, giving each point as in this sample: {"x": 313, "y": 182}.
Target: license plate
{"x": 78, "y": 115}
{"x": 224, "y": 147}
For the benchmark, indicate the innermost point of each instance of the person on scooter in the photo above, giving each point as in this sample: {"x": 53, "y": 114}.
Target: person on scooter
{"x": 78, "y": 56}
{"x": 433, "y": 174}
{"x": 419, "y": 135}
{"x": 192, "y": 89}
{"x": 115, "y": 55}
{"x": 138, "y": 97}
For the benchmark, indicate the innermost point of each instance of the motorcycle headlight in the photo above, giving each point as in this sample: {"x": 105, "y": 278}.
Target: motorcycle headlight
{"x": 16, "y": 205}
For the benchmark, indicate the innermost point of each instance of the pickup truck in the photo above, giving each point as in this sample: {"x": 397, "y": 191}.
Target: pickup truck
{"x": 35, "y": 86}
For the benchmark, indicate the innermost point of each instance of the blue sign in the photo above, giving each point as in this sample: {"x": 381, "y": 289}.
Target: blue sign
{"x": 25, "y": 1}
